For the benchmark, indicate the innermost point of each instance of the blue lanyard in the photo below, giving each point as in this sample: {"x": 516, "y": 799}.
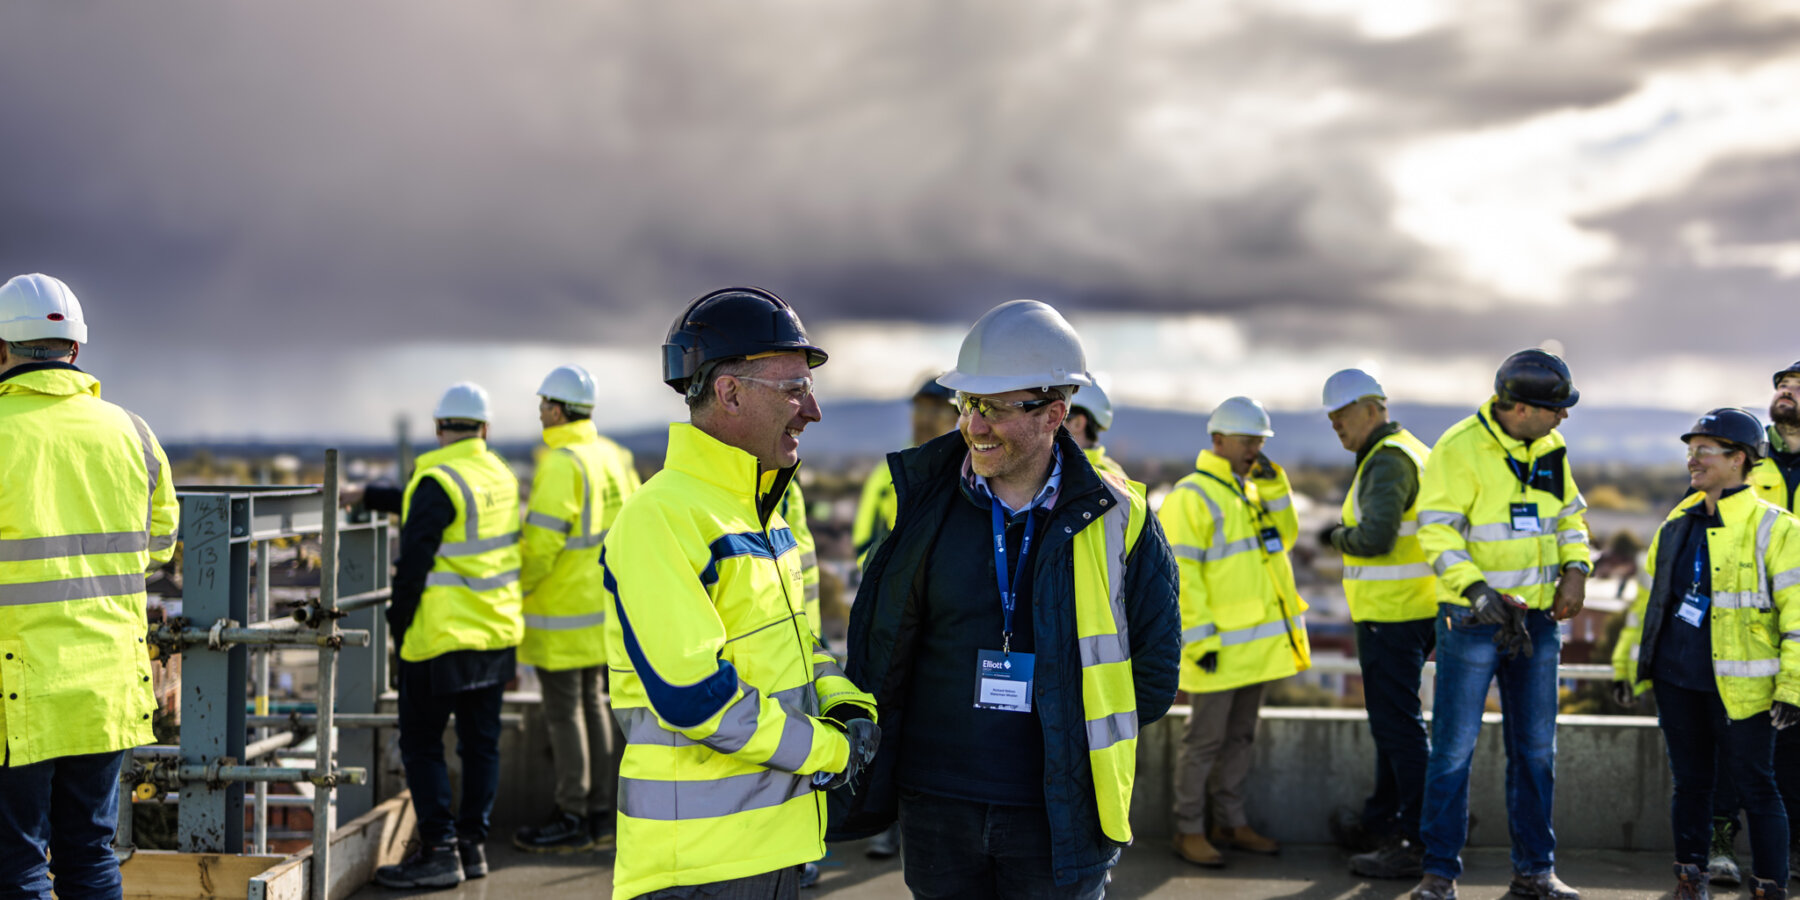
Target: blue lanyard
{"x": 1008, "y": 597}
{"x": 1699, "y": 571}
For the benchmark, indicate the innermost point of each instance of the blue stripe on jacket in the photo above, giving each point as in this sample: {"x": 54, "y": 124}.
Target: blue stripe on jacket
{"x": 683, "y": 706}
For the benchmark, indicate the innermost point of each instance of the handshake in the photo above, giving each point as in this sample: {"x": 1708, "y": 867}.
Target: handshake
{"x": 865, "y": 737}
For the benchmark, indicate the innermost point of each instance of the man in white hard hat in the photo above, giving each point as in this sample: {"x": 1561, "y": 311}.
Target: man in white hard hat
{"x": 1091, "y": 414}
{"x": 1231, "y": 523}
{"x": 1018, "y": 628}
{"x": 1392, "y": 593}
{"x": 86, "y": 508}
{"x": 456, "y": 617}
{"x": 577, "y": 490}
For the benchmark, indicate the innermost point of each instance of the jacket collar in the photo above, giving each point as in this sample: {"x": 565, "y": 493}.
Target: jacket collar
{"x": 1512, "y": 445}
{"x": 463, "y": 449}
{"x": 936, "y": 465}
{"x": 976, "y": 486}
{"x": 1375, "y": 437}
{"x": 581, "y": 432}
{"x": 1217, "y": 466}
{"x": 55, "y": 378}
{"x": 700, "y": 455}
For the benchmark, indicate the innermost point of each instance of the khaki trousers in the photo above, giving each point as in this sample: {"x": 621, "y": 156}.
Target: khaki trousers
{"x": 1215, "y": 758}
{"x": 585, "y": 742}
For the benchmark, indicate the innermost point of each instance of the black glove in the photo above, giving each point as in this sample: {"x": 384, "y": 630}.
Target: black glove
{"x": 1210, "y": 662}
{"x": 1784, "y": 714}
{"x": 1514, "y": 636}
{"x": 1326, "y": 533}
{"x": 1490, "y": 606}
{"x": 864, "y": 737}
{"x": 1262, "y": 468}
{"x": 1623, "y": 695}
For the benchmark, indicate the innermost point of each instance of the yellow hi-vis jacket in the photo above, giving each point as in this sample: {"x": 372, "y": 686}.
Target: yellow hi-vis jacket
{"x": 1755, "y": 611}
{"x": 1767, "y": 480}
{"x": 793, "y": 511}
{"x": 1397, "y": 586}
{"x": 1466, "y": 521}
{"x": 471, "y": 599}
{"x": 1104, "y": 463}
{"x": 1238, "y": 597}
{"x": 86, "y": 508}
{"x": 576, "y": 492}
{"x": 875, "y": 514}
{"x": 717, "y": 680}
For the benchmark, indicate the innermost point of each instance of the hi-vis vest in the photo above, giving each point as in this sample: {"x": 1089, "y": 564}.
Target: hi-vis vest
{"x": 1467, "y": 522}
{"x": 1768, "y": 482}
{"x": 1755, "y": 611}
{"x": 576, "y": 493}
{"x": 1103, "y": 463}
{"x": 875, "y": 514}
{"x": 717, "y": 680}
{"x": 86, "y": 508}
{"x": 1398, "y": 586}
{"x": 793, "y": 511}
{"x": 472, "y": 599}
{"x": 1238, "y": 597}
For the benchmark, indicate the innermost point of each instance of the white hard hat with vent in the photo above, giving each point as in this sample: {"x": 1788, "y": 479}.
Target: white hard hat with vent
{"x": 1018, "y": 345}
{"x": 466, "y": 400}
{"x": 37, "y": 307}
{"x": 1240, "y": 415}
{"x": 1348, "y": 386}
{"x": 571, "y": 385}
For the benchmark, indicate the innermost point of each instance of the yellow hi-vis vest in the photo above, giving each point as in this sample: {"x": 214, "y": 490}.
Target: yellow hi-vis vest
{"x": 472, "y": 599}
{"x": 793, "y": 511}
{"x": 1768, "y": 482}
{"x": 1398, "y": 586}
{"x": 1103, "y": 463}
{"x": 875, "y": 514}
{"x": 717, "y": 680}
{"x": 576, "y": 492}
{"x": 1755, "y": 611}
{"x": 1238, "y": 597}
{"x": 1108, "y": 692}
{"x": 86, "y": 508}
{"x": 1466, "y": 521}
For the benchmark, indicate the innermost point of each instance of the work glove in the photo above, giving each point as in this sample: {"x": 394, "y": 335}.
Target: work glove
{"x": 864, "y": 737}
{"x": 1210, "y": 662}
{"x": 1623, "y": 695}
{"x": 1513, "y": 636}
{"x": 1326, "y": 533}
{"x": 1490, "y": 606}
{"x": 1784, "y": 714}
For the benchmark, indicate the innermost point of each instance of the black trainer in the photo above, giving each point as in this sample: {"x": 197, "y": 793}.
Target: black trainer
{"x": 564, "y": 833}
{"x": 1397, "y": 858}
{"x": 432, "y": 866}
{"x": 474, "y": 858}
{"x": 603, "y": 828}
{"x": 1348, "y": 831}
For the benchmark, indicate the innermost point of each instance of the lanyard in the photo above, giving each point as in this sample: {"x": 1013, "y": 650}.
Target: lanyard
{"x": 1008, "y": 596}
{"x": 1237, "y": 492}
{"x": 1521, "y": 471}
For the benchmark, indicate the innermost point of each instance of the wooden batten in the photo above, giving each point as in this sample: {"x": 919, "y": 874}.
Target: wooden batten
{"x": 377, "y": 838}
{"x": 166, "y": 875}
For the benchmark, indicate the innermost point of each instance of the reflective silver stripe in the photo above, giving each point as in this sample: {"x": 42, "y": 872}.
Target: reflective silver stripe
{"x": 1497, "y": 531}
{"x": 1279, "y": 503}
{"x": 1116, "y": 546}
{"x": 161, "y": 542}
{"x": 1576, "y": 505}
{"x": 1746, "y": 668}
{"x": 1103, "y": 648}
{"x": 152, "y": 466}
{"x": 1518, "y": 578}
{"x": 803, "y": 697}
{"x": 1634, "y": 652}
{"x": 1400, "y": 572}
{"x": 811, "y": 592}
{"x": 451, "y": 579}
{"x": 1450, "y": 558}
{"x": 22, "y": 549}
{"x": 1218, "y": 516}
{"x": 471, "y": 515}
{"x": 1198, "y": 633}
{"x": 1633, "y": 620}
{"x": 1572, "y": 536}
{"x": 1455, "y": 520}
{"x": 1407, "y": 529}
{"x": 738, "y": 724}
{"x": 585, "y": 542}
{"x": 471, "y": 548}
{"x": 547, "y": 522}
{"x": 641, "y": 726}
{"x": 1258, "y": 632}
{"x": 1215, "y": 554}
{"x": 669, "y": 801}
{"x": 796, "y": 743}
{"x": 1790, "y": 635}
{"x": 809, "y": 560}
{"x": 1109, "y": 730}
{"x": 565, "y": 623}
{"x": 1741, "y": 600}
{"x": 1781, "y": 581}
{"x": 86, "y": 588}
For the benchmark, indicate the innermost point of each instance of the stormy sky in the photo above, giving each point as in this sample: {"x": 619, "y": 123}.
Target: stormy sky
{"x": 292, "y": 220}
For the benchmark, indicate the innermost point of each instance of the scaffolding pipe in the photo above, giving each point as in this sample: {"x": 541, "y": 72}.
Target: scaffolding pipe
{"x": 357, "y": 720}
{"x": 272, "y": 634}
{"x": 365, "y": 600}
{"x": 259, "y": 823}
{"x": 216, "y": 773}
{"x": 265, "y": 747}
{"x": 328, "y": 585}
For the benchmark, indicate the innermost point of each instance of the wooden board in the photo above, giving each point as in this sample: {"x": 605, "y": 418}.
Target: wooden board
{"x": 166, "y": 875}
{"x": 377, "y": 838}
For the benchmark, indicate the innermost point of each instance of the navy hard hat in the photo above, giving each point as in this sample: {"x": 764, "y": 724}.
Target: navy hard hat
{"x": 932, "y": 390}
{"x": 733, "y": 323}
{"x": 1792, "y": 369}
{"x": 1537, "y": 378}
{"x": 1733, "y": 425}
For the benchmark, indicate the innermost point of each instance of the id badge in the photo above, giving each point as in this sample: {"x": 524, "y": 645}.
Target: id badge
{"x": 1003, "y": 680}
{"x": 1525, "y": 518}
{"x": 1693, "y": 608}
{"x": 1271, "y": 540}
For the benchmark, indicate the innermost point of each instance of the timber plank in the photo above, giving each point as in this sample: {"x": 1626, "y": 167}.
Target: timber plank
{"x": 167, "y": 875}
{"x": 376, "y": 838}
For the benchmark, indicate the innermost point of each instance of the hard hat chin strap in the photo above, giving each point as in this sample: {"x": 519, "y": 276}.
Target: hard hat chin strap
{"x": 23, "y": 352}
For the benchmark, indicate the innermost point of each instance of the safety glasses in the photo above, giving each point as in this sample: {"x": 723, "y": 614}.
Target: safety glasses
{"x": 996, "y": 411}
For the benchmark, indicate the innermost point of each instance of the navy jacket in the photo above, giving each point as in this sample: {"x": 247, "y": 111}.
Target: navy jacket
{"x": 884, "y": 629}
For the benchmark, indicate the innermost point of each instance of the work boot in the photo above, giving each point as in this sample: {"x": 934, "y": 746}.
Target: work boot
{"x": 1196, "y": 849}
{"x": 429, "y": 866}
{"x": 1767, "y": 889}
{"x": 1544, "y": 886}
{"x": 1348, "y": 831}
{"x": 1721, "y": 859}
{"x": 885, "y": 845}
{"x": 1398, "y": 858}
{"x": 1244, "y": 838}
{"x": 1691, "y": 883}
{"x": 1434, "y": 887}
{"x": 809, "y": 875}
{"x": 564, "y": 833}
{"x": 603, "y": 827}
{"x": 474, "y": 858}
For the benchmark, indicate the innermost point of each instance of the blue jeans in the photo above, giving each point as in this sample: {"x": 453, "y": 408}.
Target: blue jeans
{"x": 1392, "y": 655}
{"x": 1467, "y": 661}
{"x": 69, "y": 807}
{"x": 1696, "y": 729}
{"x": 965, "y": 849}
{"x": 423, "y": 715}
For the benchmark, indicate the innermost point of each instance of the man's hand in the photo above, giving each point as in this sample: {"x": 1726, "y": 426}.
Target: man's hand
{"x": 1263, "y": 468}
{"x": 1784, "y": 714}
{"x": 1490, "y": 607}
{"x": 1623, "y": 695}
{"x": 1514, "y": 636}
{"x": 864, "y": 737}
{"x": 1326, "y": 533}
{"x": 1210, "y": 662}
{"x": 1571, "y": 593}
{"x": 349, "y": 495}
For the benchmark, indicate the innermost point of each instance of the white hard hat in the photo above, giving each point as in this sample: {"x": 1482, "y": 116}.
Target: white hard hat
{"x": 36, "y": 307}
{"x": 1348, "y": 386}
{"x": 466, "y": 400}
{"x": 1093, "y": 399}
{"x": 571, "y": 385}
{"x": 1240, "y": 415}
{"x": 1017, "y": 345}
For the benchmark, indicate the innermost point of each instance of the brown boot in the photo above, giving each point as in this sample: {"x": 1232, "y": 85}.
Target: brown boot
{"x": 1244, "y": 838}
{"x": 1196, "y": 849}
{"x": 1434, "y": 887}
{"x": 1766, "y": 889}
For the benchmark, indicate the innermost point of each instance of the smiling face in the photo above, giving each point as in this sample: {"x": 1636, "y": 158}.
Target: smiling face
{"x": 774, "y": 403}
{"x": 1714, "y": 465}
{"x": 1010, "y": 445}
